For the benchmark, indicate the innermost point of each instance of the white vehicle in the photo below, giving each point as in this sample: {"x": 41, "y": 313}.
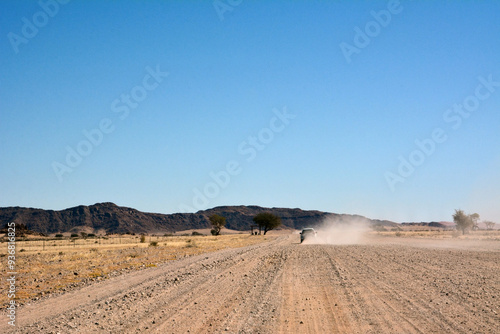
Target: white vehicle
{"x": 307, "y": 233}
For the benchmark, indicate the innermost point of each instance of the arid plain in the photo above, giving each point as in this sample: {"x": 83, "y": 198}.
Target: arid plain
{"x": 415, "y": 282}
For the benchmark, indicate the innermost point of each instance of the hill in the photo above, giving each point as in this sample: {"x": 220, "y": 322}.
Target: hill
{"x": 111, "y": 218}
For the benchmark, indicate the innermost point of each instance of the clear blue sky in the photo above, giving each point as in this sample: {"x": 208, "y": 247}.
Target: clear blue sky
{"x": 359, "y": 102}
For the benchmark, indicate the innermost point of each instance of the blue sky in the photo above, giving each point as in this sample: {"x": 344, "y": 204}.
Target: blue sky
{"x": 262, "y": 105}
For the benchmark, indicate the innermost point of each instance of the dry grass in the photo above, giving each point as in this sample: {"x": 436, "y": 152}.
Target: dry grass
{"x": 60, "y": 265}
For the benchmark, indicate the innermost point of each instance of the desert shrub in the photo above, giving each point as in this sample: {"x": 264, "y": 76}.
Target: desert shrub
{"x": 74, "y": 235}
{"x": 143, "y": 238}
{"x": 398, "y": 234}
{"x": 378, "y": 228}
{"x": 196, "y": 233}
{"x": 94, "y": 250}
{"x": 153, "y": 243}
{"x": 23, "y": 250}
{"x": 60, "y": 253}
{"x": 190, "y": 243}
{"x": 59, "y": 235}
{"x": 91, "y": 235}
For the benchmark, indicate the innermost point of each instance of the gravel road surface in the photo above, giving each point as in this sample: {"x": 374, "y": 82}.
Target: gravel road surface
{"x": 285, "y": 287}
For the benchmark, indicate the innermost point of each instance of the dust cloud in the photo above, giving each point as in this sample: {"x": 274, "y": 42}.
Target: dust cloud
{"x": 340, "y": 232}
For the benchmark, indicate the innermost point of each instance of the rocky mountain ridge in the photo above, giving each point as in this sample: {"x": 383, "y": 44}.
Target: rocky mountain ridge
{"x": 110, "y": 218}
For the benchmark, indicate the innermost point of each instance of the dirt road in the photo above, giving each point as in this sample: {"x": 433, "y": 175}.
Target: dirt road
{"x": 285, "y": 287}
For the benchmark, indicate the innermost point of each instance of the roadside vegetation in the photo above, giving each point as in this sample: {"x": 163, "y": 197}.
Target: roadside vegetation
{"x": 51, "y": 265}
{"x": 470, "y": 222}
{"x": 218, "y": 222}
{"x": 266, "y": 221}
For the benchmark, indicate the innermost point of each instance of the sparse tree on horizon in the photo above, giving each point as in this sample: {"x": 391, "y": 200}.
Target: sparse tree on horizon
{"x": 475, "y": 221}
{"x": 267, "y": 221}
{"x": 462, "y": 220}
{"x": 218, "y": 222}
{"x": 489, "y": 225}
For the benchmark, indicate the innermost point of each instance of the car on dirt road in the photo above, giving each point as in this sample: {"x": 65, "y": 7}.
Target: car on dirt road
{"x": 307, "y": 233}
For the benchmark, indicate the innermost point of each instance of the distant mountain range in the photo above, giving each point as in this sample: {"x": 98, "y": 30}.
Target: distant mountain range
{"x": 110, "y": 218}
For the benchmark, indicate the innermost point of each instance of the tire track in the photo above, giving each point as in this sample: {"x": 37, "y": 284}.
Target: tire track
{"x": 310, "y": 299}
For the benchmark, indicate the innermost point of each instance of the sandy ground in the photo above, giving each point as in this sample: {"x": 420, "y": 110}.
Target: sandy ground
{"x": 386, "y": 286}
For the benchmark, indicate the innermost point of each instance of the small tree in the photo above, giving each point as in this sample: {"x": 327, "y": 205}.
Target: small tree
{"x": 489, "y": 225}
{"x": 462, "y": 221}
{"x": 218, "y": 222}
{"x": 475, "y": 221}
{"x": 267, "y": 221}
{"x": 143, "y": 238}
